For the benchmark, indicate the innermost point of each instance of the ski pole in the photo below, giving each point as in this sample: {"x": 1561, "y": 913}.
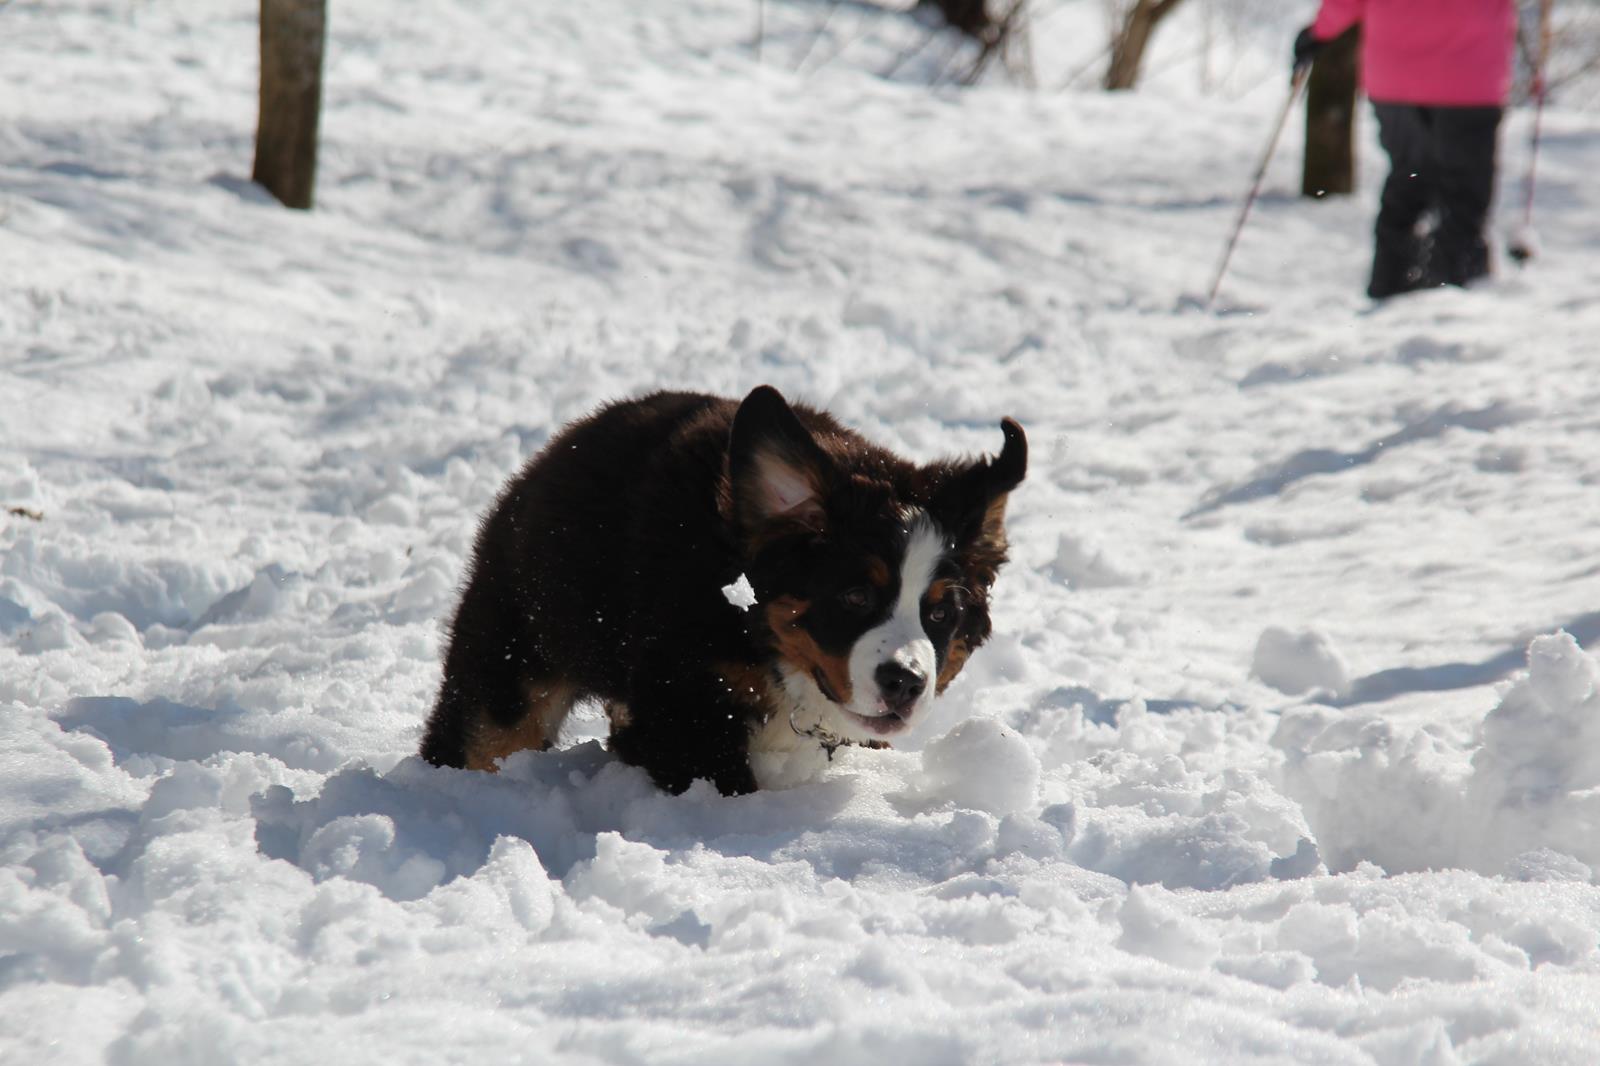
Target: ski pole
{"x": 1521, "y": 247}
{"x": 1301, "y": 75}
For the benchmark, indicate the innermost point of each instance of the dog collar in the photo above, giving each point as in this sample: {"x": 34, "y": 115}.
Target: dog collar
{"x": 832, "y": 742}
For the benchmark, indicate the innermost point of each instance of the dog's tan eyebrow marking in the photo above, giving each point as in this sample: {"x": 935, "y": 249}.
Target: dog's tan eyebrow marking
{"x": 878, "y": 572}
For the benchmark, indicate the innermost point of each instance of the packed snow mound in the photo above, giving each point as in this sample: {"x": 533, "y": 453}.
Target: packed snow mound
{"x": 1525, "y": 802}
{"x": 1535, "y": 783}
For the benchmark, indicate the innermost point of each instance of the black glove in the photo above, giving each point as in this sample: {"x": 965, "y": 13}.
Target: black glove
{"x": 1306, "y": 48}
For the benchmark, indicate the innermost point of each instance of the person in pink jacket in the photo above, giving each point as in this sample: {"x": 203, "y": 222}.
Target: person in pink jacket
{"x": 1437, "y": 72}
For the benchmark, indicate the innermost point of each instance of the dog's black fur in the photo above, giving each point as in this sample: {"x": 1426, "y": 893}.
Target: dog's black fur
{"x": 600, "y": 572}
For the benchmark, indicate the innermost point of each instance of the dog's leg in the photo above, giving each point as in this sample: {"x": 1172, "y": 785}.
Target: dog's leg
{"x": 483, "y": 716}
{"x": 681, "y": 728}
{"x": 488, "y": 715}
{"x": 544, "y": 709}
{"x": 617, "y": 714}
{"x": 500, "y": 694}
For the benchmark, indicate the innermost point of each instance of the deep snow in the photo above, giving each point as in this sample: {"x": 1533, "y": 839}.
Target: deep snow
{"x": 1278, "y": 754}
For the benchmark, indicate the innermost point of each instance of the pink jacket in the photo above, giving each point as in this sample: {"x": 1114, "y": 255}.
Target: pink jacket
{"x": 1442, "y": 52}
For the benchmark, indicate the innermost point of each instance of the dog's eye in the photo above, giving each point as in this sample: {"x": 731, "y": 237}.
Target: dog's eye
{"x": 938, "y": 612}
{"x": 858, "y": 598}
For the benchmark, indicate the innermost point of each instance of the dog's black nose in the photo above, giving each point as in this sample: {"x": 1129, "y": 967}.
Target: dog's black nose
{"x": 900, "y": 686}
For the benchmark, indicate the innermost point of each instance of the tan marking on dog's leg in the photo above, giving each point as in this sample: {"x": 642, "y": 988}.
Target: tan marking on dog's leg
{"x": 548, "y": 705}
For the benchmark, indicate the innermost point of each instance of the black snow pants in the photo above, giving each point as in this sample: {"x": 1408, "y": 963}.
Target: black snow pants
{"x": 1435, "y": 205}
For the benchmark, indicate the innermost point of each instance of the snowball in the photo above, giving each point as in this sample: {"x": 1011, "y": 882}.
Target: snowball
{"x": 1295, "y": 663}
{"x": 981, "y": 765}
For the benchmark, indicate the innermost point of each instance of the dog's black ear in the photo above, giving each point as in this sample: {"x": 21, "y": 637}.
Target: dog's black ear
{"x": 777, "y": 473}
{"x": 970, "y": 502}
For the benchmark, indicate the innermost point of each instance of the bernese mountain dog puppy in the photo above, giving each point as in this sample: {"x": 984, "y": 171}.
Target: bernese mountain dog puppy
{"x": 607, "y": 569}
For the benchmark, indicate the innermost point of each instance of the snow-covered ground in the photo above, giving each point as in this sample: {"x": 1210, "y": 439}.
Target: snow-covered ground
{"x": 1278, "y": 754}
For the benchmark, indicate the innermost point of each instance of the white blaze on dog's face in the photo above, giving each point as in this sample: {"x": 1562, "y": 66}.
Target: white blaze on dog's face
{"x": 893, "y": 665}
{"x": 899, "y": 622}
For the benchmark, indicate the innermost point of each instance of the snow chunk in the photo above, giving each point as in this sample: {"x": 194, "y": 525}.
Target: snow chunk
{"x": 740, "y": 593}
{"x": 511, "y": 885}
{"x": 1527, "y": 805}
{"x": 1296, "y": 663}
{"x": 983, "y": 766}
{"x": 363, "y": 848}
{"x": 53, "y": 632}
{"x": 1547, "y": 864}
{"x": 1151, "y": 929}
{"x": 13, "y": 615}
{"x": 391, "y": 509}
{"x": 632, "y": 877}
{"x": 1351, "y": 773}
{"x": 1045, "y": 836}
{"x": 1427, "y": 1044}
{"x": 271, "y": 591}
{"x": 110, "y": 627}
{"x": 1082, "y": 564}
{"x": 1536, "y": 779}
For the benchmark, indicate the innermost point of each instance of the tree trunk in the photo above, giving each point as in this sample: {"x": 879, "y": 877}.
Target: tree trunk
{"x": 1129, "y": 42}
{"x": 292, "y": 35}
{"x": 1330, "y": 163}
{"x": 971, "y": 17}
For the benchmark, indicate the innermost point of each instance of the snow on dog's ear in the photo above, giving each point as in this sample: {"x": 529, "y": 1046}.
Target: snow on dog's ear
{"x": 776, "y": 471}
{"x": 970, "y": 503}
